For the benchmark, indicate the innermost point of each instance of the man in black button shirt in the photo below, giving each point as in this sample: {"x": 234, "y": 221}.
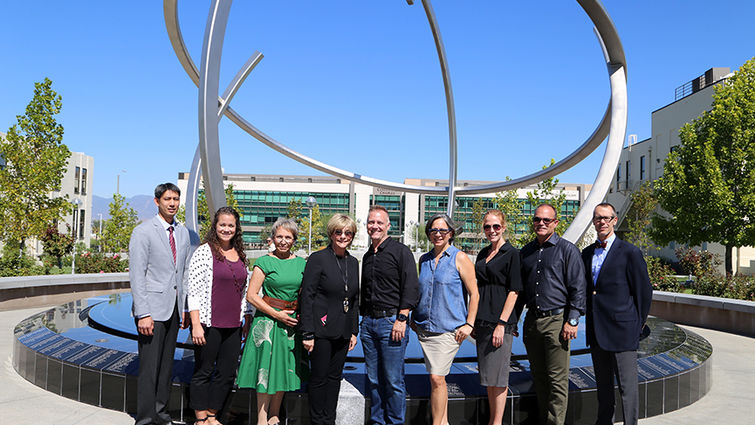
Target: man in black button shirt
{"x": 390, "y": 290}
{"x": 554, "y": 292}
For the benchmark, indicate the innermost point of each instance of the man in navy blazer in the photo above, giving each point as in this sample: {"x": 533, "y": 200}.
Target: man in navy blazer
{"x": 159, "y": 253}
{"x": 618, "y": 302}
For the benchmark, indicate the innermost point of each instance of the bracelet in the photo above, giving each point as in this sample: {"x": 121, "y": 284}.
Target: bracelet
{"x": 467, "y": 324}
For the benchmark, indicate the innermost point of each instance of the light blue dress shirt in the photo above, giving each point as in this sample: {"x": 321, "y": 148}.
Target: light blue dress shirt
{"x": 599, "y": 256}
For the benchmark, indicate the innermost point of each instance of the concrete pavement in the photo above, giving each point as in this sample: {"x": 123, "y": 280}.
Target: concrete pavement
{"x": 729, "y": 401}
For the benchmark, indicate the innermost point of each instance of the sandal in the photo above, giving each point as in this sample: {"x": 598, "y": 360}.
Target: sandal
{"x": 214, "y": 420}
{"x": 197, "y": 421}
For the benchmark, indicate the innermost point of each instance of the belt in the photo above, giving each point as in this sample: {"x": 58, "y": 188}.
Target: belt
{"x": 281, "y": 304}
{"x": 546, "y": 313}
{"x": 377, "y": 313}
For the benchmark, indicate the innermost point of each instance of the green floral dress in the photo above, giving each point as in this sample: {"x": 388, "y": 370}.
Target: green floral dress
{"x": 273, "y": 358}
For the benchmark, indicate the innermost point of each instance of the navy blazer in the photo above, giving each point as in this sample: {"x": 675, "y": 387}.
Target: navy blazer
{"x": 618, "y": 305}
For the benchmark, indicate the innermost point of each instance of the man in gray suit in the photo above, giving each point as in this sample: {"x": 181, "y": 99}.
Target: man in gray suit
{"x": 159, "y": 254}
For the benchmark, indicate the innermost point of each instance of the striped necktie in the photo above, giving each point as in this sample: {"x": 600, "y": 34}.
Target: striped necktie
{"x": 172, "y": 243}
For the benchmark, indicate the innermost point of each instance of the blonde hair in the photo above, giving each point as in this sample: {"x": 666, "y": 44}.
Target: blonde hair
{"x": 497, "y": 213}
{"x": 340, "y": 221}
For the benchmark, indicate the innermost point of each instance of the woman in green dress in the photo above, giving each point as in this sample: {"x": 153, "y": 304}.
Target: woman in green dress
{"x": 273, "y": 352}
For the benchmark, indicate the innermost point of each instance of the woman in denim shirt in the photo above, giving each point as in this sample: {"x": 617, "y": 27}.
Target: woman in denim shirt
{"x": 442, "y": 320}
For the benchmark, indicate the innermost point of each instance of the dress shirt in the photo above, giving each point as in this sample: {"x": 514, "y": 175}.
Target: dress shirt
{"x": 389, "y": 278}
{"x": 599, "y": 255}
{"x": 165, "y": 224}
{"x": 495, "y": 279}
{"x": 553, "y": 276}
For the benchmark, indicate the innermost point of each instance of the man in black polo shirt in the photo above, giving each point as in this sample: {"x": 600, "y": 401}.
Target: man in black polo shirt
{"x": 553, "y": 275}
{"x": 390, "y": 290}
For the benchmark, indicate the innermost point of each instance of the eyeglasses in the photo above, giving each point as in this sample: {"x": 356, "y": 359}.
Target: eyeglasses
{"x": 543, "y": 219}
{"x": 602, "y": 218}
{"x": 442, "y": 232}
{"x": 495, "y": 227}
{"x": 348, "y": 233}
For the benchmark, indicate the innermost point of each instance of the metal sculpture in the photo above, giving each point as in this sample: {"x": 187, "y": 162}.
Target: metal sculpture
{"x": 212, "y": 107}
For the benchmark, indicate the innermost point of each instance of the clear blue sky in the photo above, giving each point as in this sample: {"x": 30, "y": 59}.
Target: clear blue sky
{"x": 357, "y": 84}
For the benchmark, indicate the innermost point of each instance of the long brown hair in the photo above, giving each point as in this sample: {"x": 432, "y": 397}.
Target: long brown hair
{"x": 237, "y": 241}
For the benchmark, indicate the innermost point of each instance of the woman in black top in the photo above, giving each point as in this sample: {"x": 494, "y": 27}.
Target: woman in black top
{"x": 329, "y": 316}
{"x": 499, "y": 281}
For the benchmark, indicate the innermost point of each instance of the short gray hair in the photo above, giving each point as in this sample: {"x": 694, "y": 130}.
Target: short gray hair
{"x": 286, "y": 223}
{"x": 449, "y": 222}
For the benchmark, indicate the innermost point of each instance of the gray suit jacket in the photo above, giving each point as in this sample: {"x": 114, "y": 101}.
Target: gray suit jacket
{"x": 157, "y": 284}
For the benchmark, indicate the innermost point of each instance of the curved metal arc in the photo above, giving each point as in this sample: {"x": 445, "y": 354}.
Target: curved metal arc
{"x": 610, "y": 158}
{"x": 209, "y": 81}
{"x": 170, "y": 12}
{"x": 450, "y": 110}
{"x": 237, "y": 81}
{"x": 608, "y": 35}
{"x": 587, "y": 147}
{"x": 192, "y": 190}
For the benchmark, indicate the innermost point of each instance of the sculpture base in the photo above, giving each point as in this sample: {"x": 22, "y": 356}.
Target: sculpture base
{"x": 87, "y": 351}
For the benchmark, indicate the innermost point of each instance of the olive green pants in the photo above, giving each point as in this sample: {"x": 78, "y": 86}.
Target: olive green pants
{"x": 548, "y": 354}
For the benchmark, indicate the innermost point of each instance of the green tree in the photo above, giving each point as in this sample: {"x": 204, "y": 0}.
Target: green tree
{"x": 639, "y": 217}
{"x": 519, "y": 225}
{"x": 16, "y": 262}
{"x": 36, "y": 160}
{"x": 116, "y": 231}
{"x": 294, "y": 211}
{"x": 510, "y": 205}
{"x": 708, "y": 184}
{"x": 478, "y": 212}
{"x": 57, "y": 244}
{"x": 319, "y": 231}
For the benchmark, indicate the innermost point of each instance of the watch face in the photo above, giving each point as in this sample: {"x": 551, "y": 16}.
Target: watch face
{"x": 573, "y": 322}
{"x": 401, "y": 317}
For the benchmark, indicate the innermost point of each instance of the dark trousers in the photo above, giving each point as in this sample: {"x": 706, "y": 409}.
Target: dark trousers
{"x": 326, "y": 369}
{"x": 549, "y": 365}
{"x": 215, "y": 368}
{"x": 623, "y": 366}
{"x": 155, "y": 370}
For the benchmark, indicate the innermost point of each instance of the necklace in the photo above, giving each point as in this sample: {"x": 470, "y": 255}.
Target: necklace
{"x": 345, "y": 277}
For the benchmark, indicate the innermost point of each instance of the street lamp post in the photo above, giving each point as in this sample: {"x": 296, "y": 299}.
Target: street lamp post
{"x": 311, "y": 202}
{"x": 99, "y": 234}
{"x": 76, "y": 203}
{"x": 414, "y": 227}
{"x": 118, "y": 183}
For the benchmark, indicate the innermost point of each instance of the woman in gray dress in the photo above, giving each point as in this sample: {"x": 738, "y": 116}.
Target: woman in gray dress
{"x": 498, "y": 281}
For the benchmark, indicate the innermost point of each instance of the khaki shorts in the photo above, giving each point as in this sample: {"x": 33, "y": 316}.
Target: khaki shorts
{"x": 439, "y": 349}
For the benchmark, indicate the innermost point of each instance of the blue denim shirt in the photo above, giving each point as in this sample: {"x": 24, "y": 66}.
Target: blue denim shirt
{"x": 441, "y": 307}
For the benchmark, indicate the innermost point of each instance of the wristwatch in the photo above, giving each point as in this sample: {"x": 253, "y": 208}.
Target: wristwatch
{"x": 401, "y": 317}
{"x": 573, "y": 322}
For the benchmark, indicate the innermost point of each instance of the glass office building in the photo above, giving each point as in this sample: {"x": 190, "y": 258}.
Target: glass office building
{"x": 264, "y": 198}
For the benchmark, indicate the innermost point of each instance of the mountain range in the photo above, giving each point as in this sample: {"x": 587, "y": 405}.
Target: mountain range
{"x": 144, "y": 205}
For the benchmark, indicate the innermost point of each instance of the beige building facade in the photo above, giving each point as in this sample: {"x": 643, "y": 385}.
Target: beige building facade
{"x": 643, "y": 161}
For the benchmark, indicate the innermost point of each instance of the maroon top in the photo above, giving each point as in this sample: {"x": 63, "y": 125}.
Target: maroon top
{"x": 228, "y": 281}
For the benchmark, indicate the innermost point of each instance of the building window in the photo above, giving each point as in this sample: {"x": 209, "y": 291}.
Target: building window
{"x": 76, "y": 178}
{"x": 82, "y": 226}
{"x": 628, "y": 172}
{"x": 642, "y": 167}
{"x": 74, "y": 222}
{"x": 83, "y": 181}
{"x": 618, "y": 178}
